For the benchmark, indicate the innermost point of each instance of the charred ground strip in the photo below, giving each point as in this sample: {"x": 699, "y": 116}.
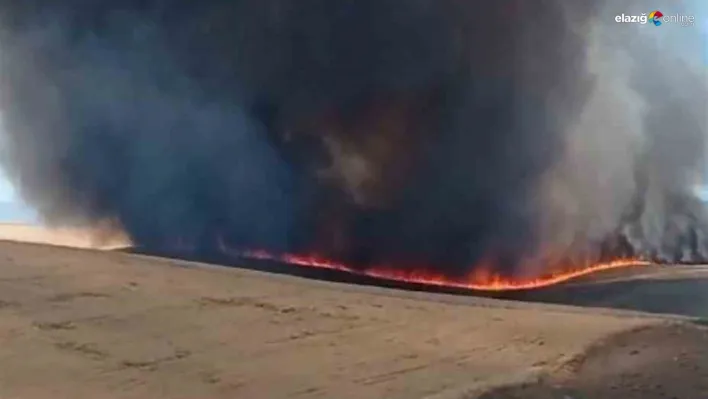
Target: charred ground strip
{"x": 595, "y": 291}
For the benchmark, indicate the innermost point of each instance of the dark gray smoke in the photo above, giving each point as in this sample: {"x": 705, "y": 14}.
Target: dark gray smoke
{"x": 413, "y": 133}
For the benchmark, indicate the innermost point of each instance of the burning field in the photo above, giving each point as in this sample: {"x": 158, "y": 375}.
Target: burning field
{"x": 102, "y": 324}
{"x": 412, "y": 141}
{"x": 306, "y": 130}
{"x": 482, "y": 279}
{"x": 534, "y": 150}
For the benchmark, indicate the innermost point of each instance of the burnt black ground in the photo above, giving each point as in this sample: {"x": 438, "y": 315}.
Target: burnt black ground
{"x": 654, "y": 289}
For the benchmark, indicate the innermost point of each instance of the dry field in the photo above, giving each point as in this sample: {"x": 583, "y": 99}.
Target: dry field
{"x": 78, "y": 323}
{"x": 66, "y": 237}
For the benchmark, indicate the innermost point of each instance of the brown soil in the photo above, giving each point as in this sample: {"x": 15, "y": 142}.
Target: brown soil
{"x": 662, "y": 361}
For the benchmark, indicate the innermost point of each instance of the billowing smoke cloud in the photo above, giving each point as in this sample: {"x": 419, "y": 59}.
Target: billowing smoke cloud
{"x": 434, "y": 133}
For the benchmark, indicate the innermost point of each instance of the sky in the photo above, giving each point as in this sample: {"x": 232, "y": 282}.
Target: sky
{"x": 7, "y": 191}
{"x": 13, "y": 209}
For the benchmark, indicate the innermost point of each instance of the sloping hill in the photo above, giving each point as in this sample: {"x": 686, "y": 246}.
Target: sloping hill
{"x": 65, "y": 237}
{"x": 79, "y": 323}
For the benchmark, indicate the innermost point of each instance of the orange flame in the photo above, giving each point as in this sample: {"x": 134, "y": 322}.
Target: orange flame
{"x": 481, "y": 280}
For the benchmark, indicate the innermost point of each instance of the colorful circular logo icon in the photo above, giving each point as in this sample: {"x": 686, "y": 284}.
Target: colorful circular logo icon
{"x": 655, "y": 17}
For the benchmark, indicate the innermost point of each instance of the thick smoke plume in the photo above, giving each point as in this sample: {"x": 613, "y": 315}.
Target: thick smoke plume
{"x": 421, "y": 133}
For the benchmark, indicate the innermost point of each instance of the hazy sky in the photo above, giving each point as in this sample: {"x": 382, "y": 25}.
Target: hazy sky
{"x": 13, "y": 209}
{"x": 7, "y": 192}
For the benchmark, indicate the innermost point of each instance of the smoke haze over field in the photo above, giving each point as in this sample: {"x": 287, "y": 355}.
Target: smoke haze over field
{"x": 436, "y": 133}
